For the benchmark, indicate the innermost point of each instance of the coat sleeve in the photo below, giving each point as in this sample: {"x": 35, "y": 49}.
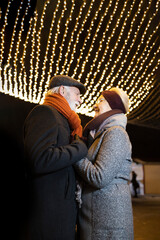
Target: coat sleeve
{"x": 42, "y": 151}
{"x": 109, "y": 160}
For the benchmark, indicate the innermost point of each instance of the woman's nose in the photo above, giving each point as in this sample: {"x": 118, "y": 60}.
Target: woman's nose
{"x": 94, "y": 106}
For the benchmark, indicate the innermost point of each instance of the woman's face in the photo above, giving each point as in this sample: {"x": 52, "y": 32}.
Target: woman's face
{"x": 101, "y": 106}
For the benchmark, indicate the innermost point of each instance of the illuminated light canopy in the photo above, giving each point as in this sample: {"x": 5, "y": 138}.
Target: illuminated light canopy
{"x": 102, "y": 43}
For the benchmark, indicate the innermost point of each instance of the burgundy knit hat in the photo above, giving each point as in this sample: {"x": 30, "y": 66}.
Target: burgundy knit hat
{"x": 114, "y": 100}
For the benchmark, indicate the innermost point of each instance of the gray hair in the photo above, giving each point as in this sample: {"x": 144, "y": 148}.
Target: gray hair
{"x": 53, "y": 90}
{"x": 56, "y": 89}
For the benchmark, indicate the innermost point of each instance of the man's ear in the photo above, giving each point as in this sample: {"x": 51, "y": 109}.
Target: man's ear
{"x": 61, "y": 90}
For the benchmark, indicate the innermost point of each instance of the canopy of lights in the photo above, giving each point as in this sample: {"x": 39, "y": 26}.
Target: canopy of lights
{"x": 103, "y": 44}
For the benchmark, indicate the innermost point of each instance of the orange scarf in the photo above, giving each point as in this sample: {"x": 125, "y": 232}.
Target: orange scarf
{"x": 60, "y": 103}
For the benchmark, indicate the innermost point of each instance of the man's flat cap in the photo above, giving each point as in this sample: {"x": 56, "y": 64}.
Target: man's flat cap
{"x": 59, "y": 80}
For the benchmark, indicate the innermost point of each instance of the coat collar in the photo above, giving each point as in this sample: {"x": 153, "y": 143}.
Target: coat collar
{"x": 115, "y": 120}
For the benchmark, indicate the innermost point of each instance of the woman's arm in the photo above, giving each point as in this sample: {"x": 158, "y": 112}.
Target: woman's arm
{"x": 109, "y": 159}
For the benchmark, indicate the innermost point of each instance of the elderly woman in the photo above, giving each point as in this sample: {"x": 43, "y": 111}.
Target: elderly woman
{"x": 106, "y": 210}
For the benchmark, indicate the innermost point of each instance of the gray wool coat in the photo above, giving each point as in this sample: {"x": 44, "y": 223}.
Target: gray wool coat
{"x": 106, "y": 211}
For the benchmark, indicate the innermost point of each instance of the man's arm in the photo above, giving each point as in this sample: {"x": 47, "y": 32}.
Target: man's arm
{"x": 42, "y": 152}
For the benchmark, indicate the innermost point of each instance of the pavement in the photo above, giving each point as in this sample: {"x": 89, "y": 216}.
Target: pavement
{"x": 146, "y": 216}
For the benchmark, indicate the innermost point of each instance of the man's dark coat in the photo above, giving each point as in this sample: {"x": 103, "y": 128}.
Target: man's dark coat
{"x": 50, "y": 156}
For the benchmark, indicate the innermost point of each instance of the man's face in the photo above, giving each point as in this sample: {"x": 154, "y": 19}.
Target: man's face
{"x": 72, "y": 95}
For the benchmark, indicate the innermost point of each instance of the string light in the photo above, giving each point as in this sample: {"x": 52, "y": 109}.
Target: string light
{"x": 39, "y": 50}
{"x": 55, "y": 42}
{"x": 47, "y": 48}
{"x": 78, "y": 18}
{"x": 88, "y": 39}
{"x": 148, "y": 110}
{"x": 78, "y": 35}
{"x": 112, "y": 43}
{"x": 64, "y": 37}
{"x": 3, "y": 31}
{"x": 92, "y": 44}
{"x": 15, "y": 61}
{"x": 105, "y": 52}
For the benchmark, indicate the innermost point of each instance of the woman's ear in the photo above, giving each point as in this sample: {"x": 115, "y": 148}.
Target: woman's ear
{"x": 61, "y": 90}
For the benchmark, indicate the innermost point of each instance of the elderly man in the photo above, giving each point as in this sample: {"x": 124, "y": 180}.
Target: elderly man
{"x": 52, "y": 145}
